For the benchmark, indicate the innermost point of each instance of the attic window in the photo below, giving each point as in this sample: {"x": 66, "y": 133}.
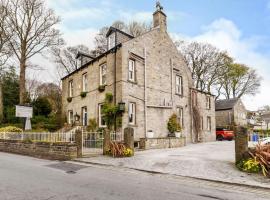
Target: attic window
{"x": 111, "y": 41}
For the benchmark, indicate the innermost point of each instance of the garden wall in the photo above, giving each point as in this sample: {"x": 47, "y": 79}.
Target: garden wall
{"x": 161, "y": 143}
{"x": 52, "y": 151}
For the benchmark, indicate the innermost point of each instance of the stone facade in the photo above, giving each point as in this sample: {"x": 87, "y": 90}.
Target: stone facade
{"x": 52, "y": 151}
{"x": 154, "y": 90}
{"x": 233, "y": 114}
{"x": 162, "y": 143}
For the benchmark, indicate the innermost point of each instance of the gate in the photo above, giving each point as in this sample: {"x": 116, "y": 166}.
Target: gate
{"x": 92, "y": 143}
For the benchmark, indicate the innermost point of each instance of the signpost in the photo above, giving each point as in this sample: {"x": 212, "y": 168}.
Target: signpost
{"x": 27, "y": 113}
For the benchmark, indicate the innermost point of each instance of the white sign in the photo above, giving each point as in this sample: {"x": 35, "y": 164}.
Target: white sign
{"x": 24, "y": 111}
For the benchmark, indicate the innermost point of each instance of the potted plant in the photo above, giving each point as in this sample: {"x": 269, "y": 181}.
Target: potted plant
{"x": 69, "y": 99}
{"x": 101, "y": 88}
{"x": 174, "y": 127}
{"x": 83, "y": 94}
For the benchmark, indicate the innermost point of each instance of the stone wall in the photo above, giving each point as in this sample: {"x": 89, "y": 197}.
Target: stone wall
{"x": 52, "y": 151}
{"x": 161, "y": 143}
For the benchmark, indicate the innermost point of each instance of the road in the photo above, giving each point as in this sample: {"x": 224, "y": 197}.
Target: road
{"x": 26, "y": 178}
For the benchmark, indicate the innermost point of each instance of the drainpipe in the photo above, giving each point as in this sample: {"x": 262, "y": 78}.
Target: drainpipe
{"x": 145, "y": 95}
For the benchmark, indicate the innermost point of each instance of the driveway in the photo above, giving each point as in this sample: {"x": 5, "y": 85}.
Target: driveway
{"x": 212, "y": 161}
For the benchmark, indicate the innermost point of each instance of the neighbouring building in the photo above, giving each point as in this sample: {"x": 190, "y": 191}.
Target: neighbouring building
{"x": 230, "y": 112}
{"x": 148, "y": 74}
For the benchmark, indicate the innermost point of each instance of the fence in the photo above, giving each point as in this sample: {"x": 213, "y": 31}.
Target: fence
{"x": 41, "y": 137}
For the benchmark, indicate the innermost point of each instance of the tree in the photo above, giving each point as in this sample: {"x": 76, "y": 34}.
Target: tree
{"x": 239, "y": 80}
{"x": 206, "y": 63}
{"x": 65, "y": 57}
{"x": 32, "y": 26}
{"x": 41, "y": 106}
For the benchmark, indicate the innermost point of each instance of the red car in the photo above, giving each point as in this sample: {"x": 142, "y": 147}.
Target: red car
{"x": 224, "y": 134}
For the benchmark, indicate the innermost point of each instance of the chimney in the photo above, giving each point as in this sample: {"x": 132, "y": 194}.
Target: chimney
{"x": 160, "y": 18}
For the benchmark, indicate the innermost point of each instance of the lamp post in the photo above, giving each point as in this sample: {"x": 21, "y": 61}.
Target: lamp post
{"x": 121, "y": 106}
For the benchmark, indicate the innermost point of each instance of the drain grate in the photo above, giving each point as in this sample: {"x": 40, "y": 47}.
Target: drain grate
{"x": 69, "y": 168}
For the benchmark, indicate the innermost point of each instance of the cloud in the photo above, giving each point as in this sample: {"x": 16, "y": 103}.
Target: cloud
{"x": 225, "y": 35}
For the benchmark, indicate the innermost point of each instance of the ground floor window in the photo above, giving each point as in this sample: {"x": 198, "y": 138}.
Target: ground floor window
{"x": 209, "y": 123}
{"x": 131, "y": 113}
{"x": 84, "y": 116}
{"x": 101, "y": 119}
{"x": 70, "y": 117}
{"x": 180, "y": 116}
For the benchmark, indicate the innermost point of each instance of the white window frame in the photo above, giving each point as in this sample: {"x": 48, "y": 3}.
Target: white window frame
{"x": 70, "y": 117}
{"x": 103, "y": 74}
{"x": 132, "y": 113}
{"x": 100, "y": 117}
{"x": 178, "y": 84}
{"x": 180, "y": 116}
{"x": 84, "y": 82}
{"x": 70, "y": 88}
{"x": 209, "y": 124}
{"x": 111, "y": 41}
{"x": 84, "y": 111}
{"x": 131, "y": 70}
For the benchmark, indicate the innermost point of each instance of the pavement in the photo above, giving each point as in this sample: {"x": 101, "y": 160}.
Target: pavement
{"x": 210, "y": 161}
{"x": 26, "y": 178}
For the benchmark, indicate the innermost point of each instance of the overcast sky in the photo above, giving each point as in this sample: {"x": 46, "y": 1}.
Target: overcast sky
{"x": 241, "y": 27}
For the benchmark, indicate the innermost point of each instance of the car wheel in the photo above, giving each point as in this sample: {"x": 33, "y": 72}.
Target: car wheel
{"x": 219, "y": 138}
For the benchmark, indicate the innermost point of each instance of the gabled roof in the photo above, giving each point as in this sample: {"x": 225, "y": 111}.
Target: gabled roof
{"x": 83, "y": 54}
{"x": 113, "y": 29}
{"x": 226, "y": 104}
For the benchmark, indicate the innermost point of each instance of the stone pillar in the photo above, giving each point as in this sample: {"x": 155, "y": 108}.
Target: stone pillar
{"x": 241, "y": 142}
{"x": 79, "y": 142}
{"x": 129, "y": 138}
{"x": 106, "y": 141}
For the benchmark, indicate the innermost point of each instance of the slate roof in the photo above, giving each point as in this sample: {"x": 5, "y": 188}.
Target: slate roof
{"x": 226, "y": 104}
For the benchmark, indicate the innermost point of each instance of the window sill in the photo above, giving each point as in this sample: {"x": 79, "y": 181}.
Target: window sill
{"x": 180, "y": 95}
{"x": 132, "y": 125}
{"x": 133, "y": 82}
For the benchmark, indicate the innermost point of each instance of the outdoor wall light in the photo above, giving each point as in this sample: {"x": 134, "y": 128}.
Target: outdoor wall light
{"x": 121, "y": 106}
{"x": 77, "y": 117}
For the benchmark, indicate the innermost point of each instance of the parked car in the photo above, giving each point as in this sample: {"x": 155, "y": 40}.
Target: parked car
{"x": 224, "y": 134}
{"x": 265, "y": 141}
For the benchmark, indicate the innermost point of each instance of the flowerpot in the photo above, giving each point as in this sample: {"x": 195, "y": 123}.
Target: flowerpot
{"x": 177, "y": 134}
{"x": 150, "y": 134}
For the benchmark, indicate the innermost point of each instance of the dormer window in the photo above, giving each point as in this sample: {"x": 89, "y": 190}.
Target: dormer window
{"x": 111, "y": 41}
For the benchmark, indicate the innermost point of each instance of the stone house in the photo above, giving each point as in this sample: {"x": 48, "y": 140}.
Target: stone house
{"x": 230, "y": 112}
{"x": 148, "y": 75}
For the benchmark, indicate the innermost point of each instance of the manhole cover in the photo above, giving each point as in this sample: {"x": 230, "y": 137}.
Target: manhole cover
{"x": 69, "y": 168}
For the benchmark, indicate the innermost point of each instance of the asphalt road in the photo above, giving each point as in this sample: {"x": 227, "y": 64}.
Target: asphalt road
{"x": 25, "y": 178}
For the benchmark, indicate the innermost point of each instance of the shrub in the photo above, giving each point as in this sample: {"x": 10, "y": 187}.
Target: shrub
{"x": 42, "y": 106}
{"x": 249, "y": 165}
{"x": 92, "y": 125}
{"x": 10, "y": 129}
{"x": 172, "y": 125}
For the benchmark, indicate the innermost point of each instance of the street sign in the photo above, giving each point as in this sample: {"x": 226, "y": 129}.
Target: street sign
{"x": 24, "y": 111}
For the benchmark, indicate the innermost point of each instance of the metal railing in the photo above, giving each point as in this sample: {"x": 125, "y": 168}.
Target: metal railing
{"x": 39, "y": 137}
{"x": 117, "y": 136}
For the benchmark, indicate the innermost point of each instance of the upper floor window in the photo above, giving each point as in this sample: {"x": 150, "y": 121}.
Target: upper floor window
{"x": 194, "y": 98}
{"x": 131, "y": 70}
{"x": 84, "y": 82}
{"x": 208, "y": 102}
{"x": 103, "y": 72}
{"x": 179, "y": 85}
{"x": 111, "y": 41}
{"x": 70, "y": 88}
{"x": 131, "y": 113}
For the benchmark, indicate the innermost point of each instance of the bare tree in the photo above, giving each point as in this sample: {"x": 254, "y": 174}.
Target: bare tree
{"x": 65, "y": 58}
{"x": 206, "y": 63}
{"x": 33, "y": 28}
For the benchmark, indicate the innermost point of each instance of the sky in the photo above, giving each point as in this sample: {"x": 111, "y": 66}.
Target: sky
{"x": 240, "y": 27}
